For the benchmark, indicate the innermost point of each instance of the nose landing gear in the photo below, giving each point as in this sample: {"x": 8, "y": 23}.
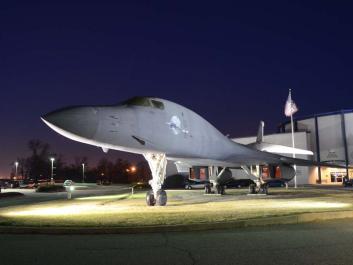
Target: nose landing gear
{"x": 158, "y": 164}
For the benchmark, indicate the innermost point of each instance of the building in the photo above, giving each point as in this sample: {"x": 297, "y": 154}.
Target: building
{"x": 328, "y": 135}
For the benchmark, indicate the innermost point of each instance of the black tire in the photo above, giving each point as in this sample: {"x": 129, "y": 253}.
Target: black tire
{"x": 223, "y": 190}
{"x": 150, "y": 200}
{"x": 162, "y": 198}
{"x": 208, "y": 189}
{"x": 263, "y": 189}
{"x": 220, "y": 189}
{"x": 252, "y": 189}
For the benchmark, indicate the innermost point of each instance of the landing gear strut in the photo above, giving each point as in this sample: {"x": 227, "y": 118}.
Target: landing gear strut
{"x": 214, "y": 186}
{"x": 158, "y": 165}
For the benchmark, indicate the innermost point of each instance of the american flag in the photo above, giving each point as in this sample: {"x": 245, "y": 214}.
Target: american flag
{"x": 290, "y": 108}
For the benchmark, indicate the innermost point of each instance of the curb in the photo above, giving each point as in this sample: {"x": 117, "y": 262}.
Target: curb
{"x": 258, "y": 222}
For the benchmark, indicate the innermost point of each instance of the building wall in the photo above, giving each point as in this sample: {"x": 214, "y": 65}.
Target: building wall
{"x": 333, "y": 142}
{"x": 349, "y": 134}
{"x": 308, "y": 126}
{"x": 331, "y": 138}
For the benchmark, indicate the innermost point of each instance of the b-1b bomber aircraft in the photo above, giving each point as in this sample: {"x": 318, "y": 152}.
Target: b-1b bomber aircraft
{"x": 162, "y": 130}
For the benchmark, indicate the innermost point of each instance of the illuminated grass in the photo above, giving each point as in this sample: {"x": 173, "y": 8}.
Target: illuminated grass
{"x": 184, "y": 207}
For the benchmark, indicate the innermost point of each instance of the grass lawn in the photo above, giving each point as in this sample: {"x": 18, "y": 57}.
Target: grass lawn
{"x": 184, "y": 207}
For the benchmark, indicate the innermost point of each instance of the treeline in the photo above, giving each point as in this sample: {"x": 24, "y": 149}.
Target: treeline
{"x": 37, "y": 166}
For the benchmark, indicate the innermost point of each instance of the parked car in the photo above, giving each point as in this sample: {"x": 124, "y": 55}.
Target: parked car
{"x": 3, "y": 184}
{"x": 176, "y": 181}
{"x": 239, "y": 183}
{"x": 12, "y": 184}
{"x": 276, "y": 183}
{"x": 347, "y": 182}
{"x": 27, "y": 184}
{"x": 195, "y": 184}
{"x": 142, "y": 185}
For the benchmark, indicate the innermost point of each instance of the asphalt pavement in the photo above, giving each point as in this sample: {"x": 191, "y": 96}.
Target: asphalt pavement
{"x": 316, "y": 243}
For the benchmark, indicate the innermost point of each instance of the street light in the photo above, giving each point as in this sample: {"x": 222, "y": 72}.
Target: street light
{"x": 16, "y": 166}
{"x": 83, "y": 172}
{"x": 132, "y": 169}
{"x": 52, "y": 169}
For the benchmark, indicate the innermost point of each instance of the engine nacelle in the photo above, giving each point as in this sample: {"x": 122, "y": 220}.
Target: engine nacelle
{"x": 225, "y": 177}
{"x": 287, "y": 172}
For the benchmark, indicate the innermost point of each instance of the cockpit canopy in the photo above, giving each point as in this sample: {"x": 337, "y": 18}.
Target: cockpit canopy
{"x": 144, "y": 102}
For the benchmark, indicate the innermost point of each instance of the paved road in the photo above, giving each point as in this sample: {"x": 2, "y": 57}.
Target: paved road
{"x": 33, "y": 197}
{"x": 325, "y": 243}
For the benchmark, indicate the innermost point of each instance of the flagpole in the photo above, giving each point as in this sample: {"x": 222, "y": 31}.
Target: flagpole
{"x": 293, "y": 142}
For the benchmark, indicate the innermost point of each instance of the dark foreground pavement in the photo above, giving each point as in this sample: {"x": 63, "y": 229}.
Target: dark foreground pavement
{"x": 318, "y": 243}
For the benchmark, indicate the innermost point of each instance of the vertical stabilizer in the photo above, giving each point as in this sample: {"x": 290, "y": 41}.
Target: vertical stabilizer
{"x": 260, "y": 132}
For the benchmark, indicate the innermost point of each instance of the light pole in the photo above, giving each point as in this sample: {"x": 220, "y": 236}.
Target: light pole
{"x": 83, "y": 172}
{"x": 16, "y": 167}
{"x": 52, "y": 169}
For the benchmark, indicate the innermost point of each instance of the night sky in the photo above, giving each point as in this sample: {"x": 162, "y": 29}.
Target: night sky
{"x": 231, "y": 63}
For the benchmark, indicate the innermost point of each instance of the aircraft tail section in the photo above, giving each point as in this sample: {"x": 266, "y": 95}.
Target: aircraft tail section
{"x": 260, "y": 132}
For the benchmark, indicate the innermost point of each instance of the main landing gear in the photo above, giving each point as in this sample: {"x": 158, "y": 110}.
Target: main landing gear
{"x": 158, "y": 164}
{"x": 258, "y": 189}
{"x": 218, "y": 189}
{"x": 160, "y": 200}
{"x": 214, "y": 187}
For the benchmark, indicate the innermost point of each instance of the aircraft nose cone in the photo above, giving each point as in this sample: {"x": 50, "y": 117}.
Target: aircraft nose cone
{"x": 76, "y": 121}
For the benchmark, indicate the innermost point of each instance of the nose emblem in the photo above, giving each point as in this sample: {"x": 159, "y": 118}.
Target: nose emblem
{"x": 176, "y": 126}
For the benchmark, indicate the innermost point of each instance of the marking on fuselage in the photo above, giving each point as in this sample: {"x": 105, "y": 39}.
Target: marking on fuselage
{"x": 176, "y": 126}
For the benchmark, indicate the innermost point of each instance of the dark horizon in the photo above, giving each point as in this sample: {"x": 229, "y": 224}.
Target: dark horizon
{"x": 231, "y": 63}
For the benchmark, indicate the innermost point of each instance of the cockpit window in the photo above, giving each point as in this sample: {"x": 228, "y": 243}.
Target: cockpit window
{"x": 139, "y": 101}
{"x": 144, "y": 102}
{"x": 157, "y": 104}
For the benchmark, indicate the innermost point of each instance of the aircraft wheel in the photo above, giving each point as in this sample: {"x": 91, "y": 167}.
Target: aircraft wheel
{"x": 264, "y": 189}
{"x": 150, "y": 200}
{"x": 208, "y": 189}
{"x": 252, "y": 189}
{"x": 161, "y": 199}
{"x": 220, "y": 189}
